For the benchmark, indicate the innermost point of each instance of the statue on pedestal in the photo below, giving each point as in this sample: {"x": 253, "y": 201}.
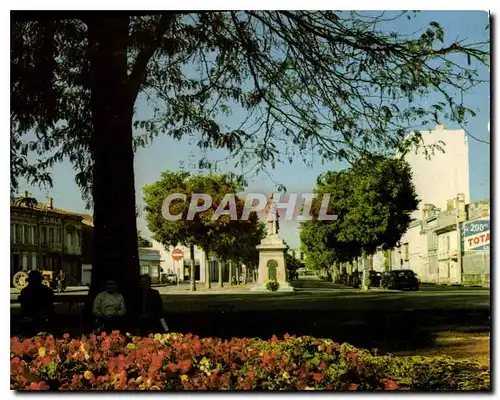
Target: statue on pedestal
{"x": 271, "y": 216}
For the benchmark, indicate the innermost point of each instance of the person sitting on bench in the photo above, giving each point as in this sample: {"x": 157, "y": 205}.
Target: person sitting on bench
{"x": 37, "y": 304}
{"x": 151, "y": 308}
{"x": 109, "y": 307}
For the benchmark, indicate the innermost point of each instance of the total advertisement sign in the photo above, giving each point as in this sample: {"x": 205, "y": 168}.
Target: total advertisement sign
{"x": 476, "y": 235}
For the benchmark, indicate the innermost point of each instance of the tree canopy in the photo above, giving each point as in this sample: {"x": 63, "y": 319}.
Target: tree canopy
{"x": 373, "y": 200}
{"x": 230, "y": 239}
{"x": 347, "y": 86}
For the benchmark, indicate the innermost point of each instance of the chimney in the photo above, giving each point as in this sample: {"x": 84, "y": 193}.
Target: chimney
{"x": 461, "y": 215}
{"x": 50, "y": 203}
{"x": 427, "y": 210}
{"x": 449, "y": 205}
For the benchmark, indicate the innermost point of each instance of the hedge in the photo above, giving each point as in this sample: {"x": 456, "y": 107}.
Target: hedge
{"x": 172, "y": 362}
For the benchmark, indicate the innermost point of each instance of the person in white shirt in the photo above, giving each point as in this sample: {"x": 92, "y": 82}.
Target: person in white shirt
{"x": 109, "y": 307}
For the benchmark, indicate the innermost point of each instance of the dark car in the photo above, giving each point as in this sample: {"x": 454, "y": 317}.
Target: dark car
{"x": 375, "y": 278}
{"x": 400, "y": 279}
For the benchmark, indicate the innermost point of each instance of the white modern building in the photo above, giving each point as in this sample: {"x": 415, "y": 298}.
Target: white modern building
{"x": 439, "y": 176}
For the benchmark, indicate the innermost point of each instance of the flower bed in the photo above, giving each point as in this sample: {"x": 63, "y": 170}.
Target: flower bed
{"x": 187, "y": 362}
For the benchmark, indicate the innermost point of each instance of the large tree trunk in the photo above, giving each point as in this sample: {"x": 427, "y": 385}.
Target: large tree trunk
{"x": 115, "y": 254}
{"x": 192, "y": 283}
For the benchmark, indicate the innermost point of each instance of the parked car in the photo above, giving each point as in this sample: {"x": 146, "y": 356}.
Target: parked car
{"x": 170, "y": 278}
{"x": 375, "y": 278}
{"x": 400, "y": 279}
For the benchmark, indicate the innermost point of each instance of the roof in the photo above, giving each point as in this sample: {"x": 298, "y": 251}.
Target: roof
{"x": 42, "y": 207}
{"x": 148, "y": 250}
{"x": 446, "y": 228}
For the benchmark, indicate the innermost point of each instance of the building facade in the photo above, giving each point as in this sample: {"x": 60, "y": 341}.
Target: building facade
{"x": 205, "y": 267}
{"x": 47, "y": 238}
{"x": 150, "y": 260}
{"x": 437, "y": 246}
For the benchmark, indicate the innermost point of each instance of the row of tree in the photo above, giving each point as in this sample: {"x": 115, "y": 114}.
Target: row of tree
{"x": 373, "y": 200}
{"x": 231, "y": 240}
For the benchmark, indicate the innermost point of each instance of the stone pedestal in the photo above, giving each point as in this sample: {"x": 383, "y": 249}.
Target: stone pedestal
{"x": 272, "y": 264}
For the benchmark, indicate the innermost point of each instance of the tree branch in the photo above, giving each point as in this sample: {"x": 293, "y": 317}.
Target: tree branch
{"x": 142, "y": 60}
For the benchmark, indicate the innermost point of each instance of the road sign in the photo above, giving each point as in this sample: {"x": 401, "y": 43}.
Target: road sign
{"x": 476, "y": 235}
{"x": 177, "y": 254}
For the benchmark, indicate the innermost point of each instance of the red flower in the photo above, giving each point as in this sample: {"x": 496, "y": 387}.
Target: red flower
{"x": 389, "y": 384}
{"x": 184, "y": 366}
{"x": 172, "y": 367}
{"x": 318, "y": 377}
{"x": 38, "y": 386}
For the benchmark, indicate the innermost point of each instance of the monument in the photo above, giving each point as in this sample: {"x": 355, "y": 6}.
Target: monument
{"x": 272, "y": 250}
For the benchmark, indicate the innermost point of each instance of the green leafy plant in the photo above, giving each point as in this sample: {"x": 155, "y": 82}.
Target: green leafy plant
{"x": 272, "y": 285}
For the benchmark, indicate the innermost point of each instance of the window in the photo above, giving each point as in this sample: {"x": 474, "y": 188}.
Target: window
{"x": 447, "y": 243}
{"x": 27, "y": 238}
{"x": 25, "y": 262}
{"x": 51, "y": 235}
{"x": 18, "y": 233}
{"x": 43, "y": 234}
{"x": 58, "y": 236}
{"x": 13, "y": 233}
{"x": 144, "y": 269}
{"x": 35, "y": 235}
{"x": 68, "y": 239}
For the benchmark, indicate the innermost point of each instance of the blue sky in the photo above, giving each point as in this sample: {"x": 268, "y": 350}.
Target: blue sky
{"x": 166, "y": 153}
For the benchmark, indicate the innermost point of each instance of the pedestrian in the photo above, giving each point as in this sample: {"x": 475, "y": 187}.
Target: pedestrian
{"x": 37, "y": 305}
{"x": 109, "y": 307}
{"x": 150, "y": 319}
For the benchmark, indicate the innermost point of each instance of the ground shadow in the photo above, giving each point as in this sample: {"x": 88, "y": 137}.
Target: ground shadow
{"x": 388, "y": 331}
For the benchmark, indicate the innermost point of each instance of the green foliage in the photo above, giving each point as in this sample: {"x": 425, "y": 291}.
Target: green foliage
{"x": 233, "y": 240}
{"x": 143, "y": 242}
{"x": 348, "y": 86}
{"x": 173, "y": 362}
{"x": 373, "y": 200}
{"x": 292, "y": 264}
{"x": 272, "y": 285}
